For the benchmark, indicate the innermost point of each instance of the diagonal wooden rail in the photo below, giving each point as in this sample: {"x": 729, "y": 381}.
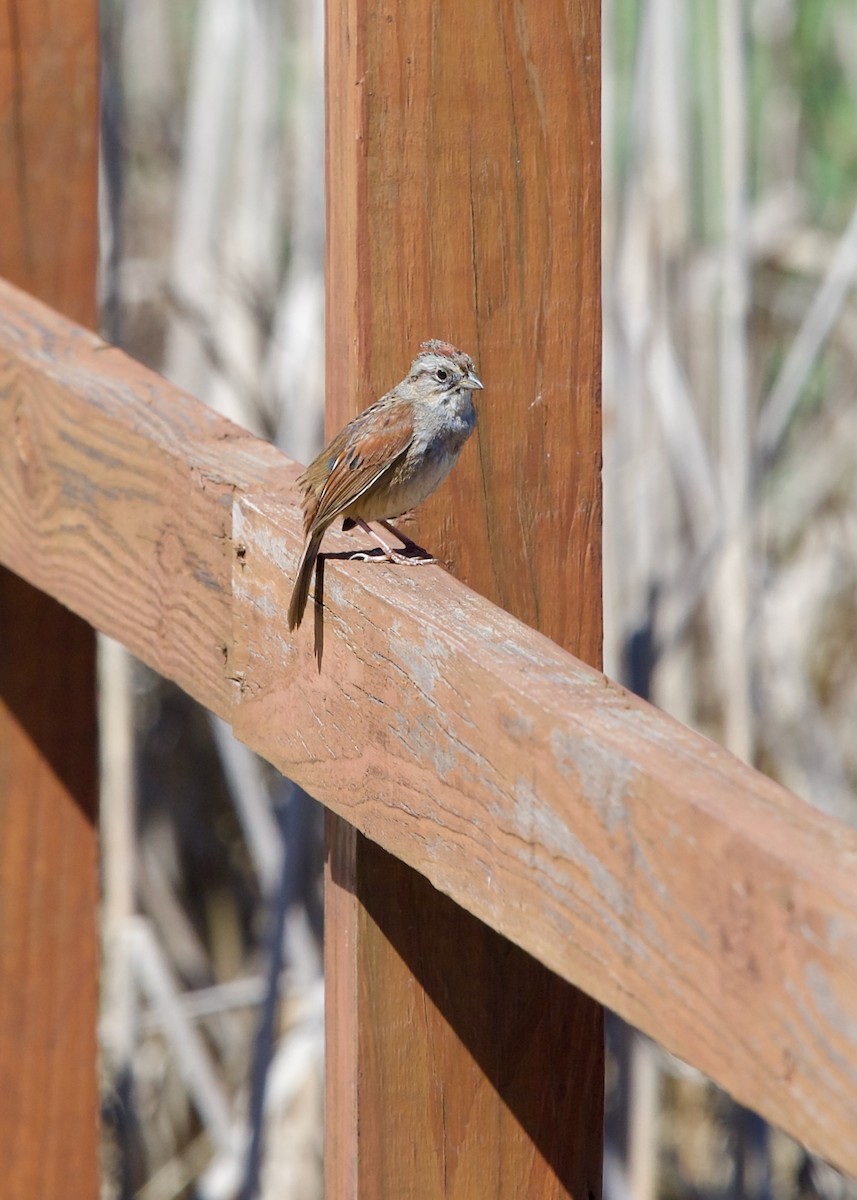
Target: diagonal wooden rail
{"x": 704, "y": 903}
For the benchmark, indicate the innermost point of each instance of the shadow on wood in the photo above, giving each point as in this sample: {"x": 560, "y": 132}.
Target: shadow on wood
{"x": 517, "y": 1022}
{"x": 48, "y": 898}
{"x": 46, "y": 669}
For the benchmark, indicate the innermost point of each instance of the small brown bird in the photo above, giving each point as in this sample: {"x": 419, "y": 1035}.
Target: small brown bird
{"x": 390, "y": 457}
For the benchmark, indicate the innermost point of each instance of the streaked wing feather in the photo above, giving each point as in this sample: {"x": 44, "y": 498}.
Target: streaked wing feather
{"x": 363, "y": 458}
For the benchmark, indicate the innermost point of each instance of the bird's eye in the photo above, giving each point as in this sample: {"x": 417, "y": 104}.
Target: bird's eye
{"x": 441, "y": 374}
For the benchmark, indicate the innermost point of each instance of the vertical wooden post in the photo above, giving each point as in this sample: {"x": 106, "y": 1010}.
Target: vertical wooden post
{"x": 463, "y": 203}
{"x": 48, "y": 764}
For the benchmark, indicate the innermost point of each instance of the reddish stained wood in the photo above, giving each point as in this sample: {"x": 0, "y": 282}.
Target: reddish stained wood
{"x": 48, "y": 898}
{"x": 706, "y": 904}
{"x": 49, "y": 152}
{"x": 341, "y": 986}
{"x": 459, "y": 1063}
{"x": 48, "y": 847}
{"x": 463, "y": 203}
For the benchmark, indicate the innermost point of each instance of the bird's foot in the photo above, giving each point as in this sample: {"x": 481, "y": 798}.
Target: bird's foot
{"x": 410, "y": 555}
{"x": 388, "y": 554}
{"x": 418, "y": 559}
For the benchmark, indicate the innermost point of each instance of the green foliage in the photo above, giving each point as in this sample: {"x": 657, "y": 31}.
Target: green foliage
{"x": 824, "y": 81}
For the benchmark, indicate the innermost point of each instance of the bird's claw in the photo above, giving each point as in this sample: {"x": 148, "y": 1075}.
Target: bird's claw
{"x": 412, "y": 560}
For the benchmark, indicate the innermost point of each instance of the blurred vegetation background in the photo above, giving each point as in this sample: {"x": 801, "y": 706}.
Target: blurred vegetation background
{"x": 730, "y": 339}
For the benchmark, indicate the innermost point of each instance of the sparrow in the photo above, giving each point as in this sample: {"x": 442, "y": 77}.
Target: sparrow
{"x": 390, "y": 458}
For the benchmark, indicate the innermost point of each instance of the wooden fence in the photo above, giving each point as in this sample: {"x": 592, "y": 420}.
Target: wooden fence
{"x": 513, "y": 840}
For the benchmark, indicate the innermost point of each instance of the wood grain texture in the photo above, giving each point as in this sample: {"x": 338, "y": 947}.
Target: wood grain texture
{"x": 472, "y": 1049}
{"x": 49, "y": 152}
{"x": 644, "y": 864}
{"x": 636, "y": 859}
{"x": 341, "y": 1008}
{"x": 109, "y": 483}
{"x": 48, "y": 752}
{"x": 463, "y": 203}
{"x": 48, "y": 898}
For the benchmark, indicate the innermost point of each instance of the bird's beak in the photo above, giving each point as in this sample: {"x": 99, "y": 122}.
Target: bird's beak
{"x": 472, "y": 381}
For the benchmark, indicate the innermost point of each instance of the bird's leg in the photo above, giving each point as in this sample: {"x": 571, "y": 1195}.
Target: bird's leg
{"x": 410, "y": 545}
{"x": 390, "y": 554}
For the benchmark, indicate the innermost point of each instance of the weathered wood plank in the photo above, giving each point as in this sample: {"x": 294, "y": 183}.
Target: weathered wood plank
{"x": 703, "y": 902}
{"x": 116, "y": 495}
{"x": 48, "y": 751}
{"x": 463, "y": 203}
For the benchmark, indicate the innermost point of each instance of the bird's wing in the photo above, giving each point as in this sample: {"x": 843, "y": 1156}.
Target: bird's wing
{"x": 361, "y": 457}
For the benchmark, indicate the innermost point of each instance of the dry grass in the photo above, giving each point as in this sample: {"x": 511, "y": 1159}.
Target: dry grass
{"x": 730, "y": 249}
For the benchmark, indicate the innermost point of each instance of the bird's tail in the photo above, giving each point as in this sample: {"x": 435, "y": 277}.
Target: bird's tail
{"x": 302, "y": 582}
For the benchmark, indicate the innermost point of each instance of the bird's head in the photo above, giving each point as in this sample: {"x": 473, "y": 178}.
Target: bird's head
{"x": 440, "y": 369}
